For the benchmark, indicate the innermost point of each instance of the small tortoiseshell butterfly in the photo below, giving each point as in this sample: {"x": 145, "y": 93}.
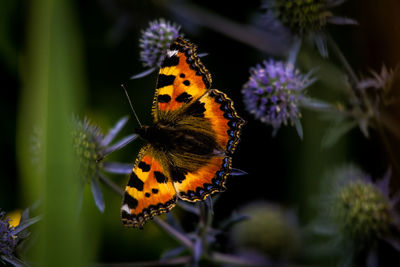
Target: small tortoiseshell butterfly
{"x": 190, "y": 144}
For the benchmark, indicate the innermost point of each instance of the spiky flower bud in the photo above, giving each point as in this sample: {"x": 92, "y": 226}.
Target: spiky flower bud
{"x": 91, "y": 148}
{"x": 155, "y": 40}
{"x": 86, "y": 139}
{"x": 304, "y": 18}
{"x": 273, "y": 92}
{"x": 362, "y": 211}
{"x": 269, "y": 229}
{"x": 301, "y": 16}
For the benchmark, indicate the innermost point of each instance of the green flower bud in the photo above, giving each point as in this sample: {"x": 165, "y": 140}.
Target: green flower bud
{"x": 269, "y": 230}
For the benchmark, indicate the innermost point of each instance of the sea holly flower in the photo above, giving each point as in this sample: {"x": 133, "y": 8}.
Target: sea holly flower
{"x": 269, "y": 229}
{"x": 12, "y": 236}
{"x": 92, "y": 147}
{"x": 274, "y": 92}
{"x": 8, "y": 241}
{"x": 154, "y": 43}
{"x": 358, "y": 213}
{"x": 304, "y": 18}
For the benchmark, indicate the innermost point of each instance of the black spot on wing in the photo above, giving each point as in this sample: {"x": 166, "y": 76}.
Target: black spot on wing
{"x": 170, "y": 61}
{"x": 160, "y": 177}
{"x": 165, "y": 80}
{"x": 184, "y": 98}
{"x": 186, "y": 82}
{"x": 154, "y": 190}
{"x": 147, "y": 194}
{"x": 196, "y": 109}
{"x": 178, "y": 174}
{"x": 163, "y": 98}
{"x": 182, "y": 75}
{"x": 144, "y": 166}
{"x": 130, "y": 201}
{"x": 135, "y": 182}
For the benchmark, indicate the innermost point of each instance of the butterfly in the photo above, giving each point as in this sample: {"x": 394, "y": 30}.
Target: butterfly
{"x": 189, "y": 147}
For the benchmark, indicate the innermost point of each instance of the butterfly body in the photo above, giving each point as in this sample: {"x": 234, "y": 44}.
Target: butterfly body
{"x": 190, "y": 144}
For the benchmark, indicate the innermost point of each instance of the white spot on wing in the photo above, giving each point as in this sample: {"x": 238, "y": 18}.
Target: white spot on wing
{"x": 126, "y": 208}
{"x": 171, "y": 53}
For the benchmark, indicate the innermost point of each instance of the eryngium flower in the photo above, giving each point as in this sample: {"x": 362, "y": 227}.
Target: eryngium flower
{"x": 360, "y": 209}
{"x": 270, "y": 230}
{"x": 155, "y": 40}
{"x": 87, "y": 146}
{"x": 91, "y": 148}
{"x": 13, "y": 236}
{"x": 274, "y": 91}
{"x": 8, "y": 241}
{"x": 300, "y": 16}
{"x": 304, "y": 18}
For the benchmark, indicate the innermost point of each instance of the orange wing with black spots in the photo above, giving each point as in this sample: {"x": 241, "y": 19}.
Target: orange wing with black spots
{"x": 182, "y": 79}
{"x": 219, "y": 115}
{"x": 149, "y": 192}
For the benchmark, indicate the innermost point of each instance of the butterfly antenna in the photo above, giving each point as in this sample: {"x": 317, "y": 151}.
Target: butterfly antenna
{"x": 130, "y": 103}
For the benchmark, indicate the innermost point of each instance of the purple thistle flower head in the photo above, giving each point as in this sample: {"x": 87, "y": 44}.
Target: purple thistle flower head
{"x": 155, "y": 40}
{"x": 274, "y": 91}
{"x": 8, "y": 241}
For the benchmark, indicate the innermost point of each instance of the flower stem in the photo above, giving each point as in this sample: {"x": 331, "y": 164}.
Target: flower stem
{"x": 353, "y": 77}
{"x": 235, "y": 260}
{"x": 343, "y": 60}
{"x": 165, "y": 262}
{"x": 246, "y": 34}
{"x": 387, "y": 145}
{"x": 181, "y": 238}
{"x": 112, "y": 185}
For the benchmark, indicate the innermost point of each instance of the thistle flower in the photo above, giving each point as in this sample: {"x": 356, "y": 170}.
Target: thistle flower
{"x": 13, "y": 235}
{"x": 269, "y": 229}
{"x": 154, "y": 43}
{"x": 8, "y": 241}
{"x": 274, "y": 92}
{"x": 362, "y": 211}
{"x": 358, "y": 213}
{"x": 304, "y": 18}
{"x": 155, "y": 40}
{"x": 91, "y": 148}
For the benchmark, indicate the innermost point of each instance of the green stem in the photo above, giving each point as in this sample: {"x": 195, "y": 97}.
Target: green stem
{"x": 181, "y": 238}
{"x": 111, "y": 184}
{"x": 388, "y": 146}
{"x": 167, "y": 262}
{"x": 235, "y": 260}
{"x": 343, "y": 60}
{"x": 353, "y": 76}
{"x": 244, "y": 33}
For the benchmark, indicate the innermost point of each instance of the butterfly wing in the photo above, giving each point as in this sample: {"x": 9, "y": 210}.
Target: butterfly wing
{"x": 212, "y": 114}
{"x": 149, "y": 192}
{"x": 182, "y": 79}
